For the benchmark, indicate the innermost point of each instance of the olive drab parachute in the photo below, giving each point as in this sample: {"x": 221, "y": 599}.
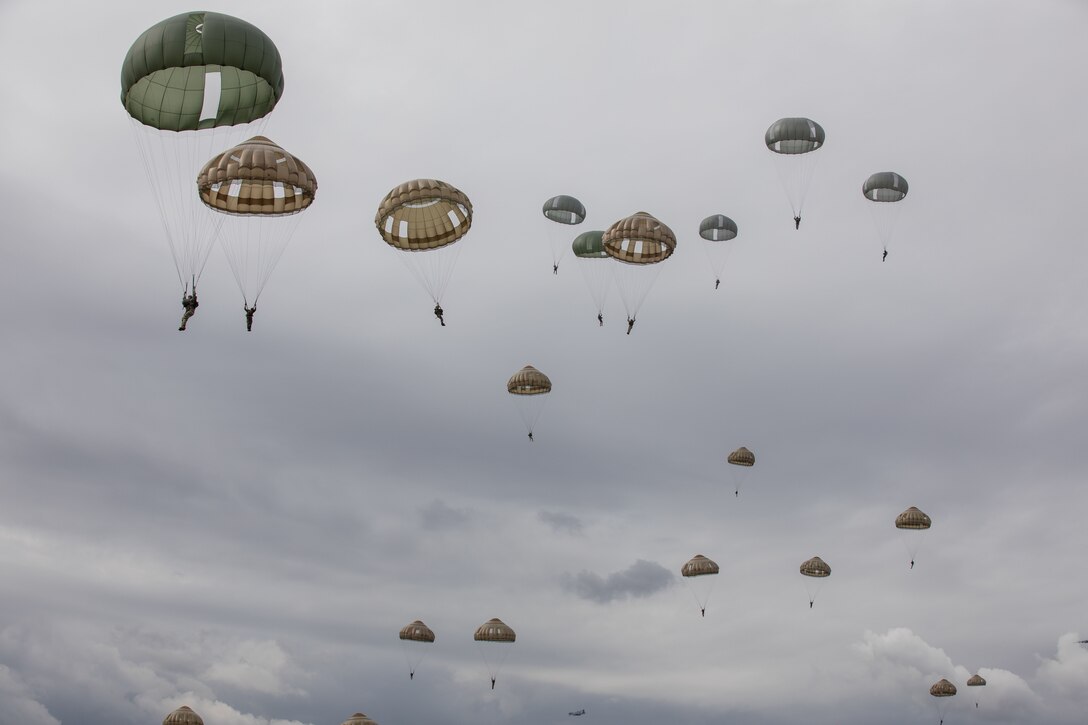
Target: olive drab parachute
{"x": 742, "y": 461}
{"x": 424, "y": 219}
{"x": 976, "y": 681}
{"x": 562, "y": 212}
{"x": 596, "y": 267}
{"x": 413, "y": 638}
{"x": 942, "y": 690}
{"x": 910, "y": 521}
{"x": 530, "y": 388}
{"x": 493, "y": 637}
{"x": 793, "y": 141}
{"x": 641, "y": 243}
{"x": 183, "y": 716}
{"x": 261, "y": 189}
{"x": 815, "y": 570}
{"x": 696, "y": 573}
{"x": 720, "y": 231}
{"x": 193, "y": 85}
{"x": 885, "y": 189}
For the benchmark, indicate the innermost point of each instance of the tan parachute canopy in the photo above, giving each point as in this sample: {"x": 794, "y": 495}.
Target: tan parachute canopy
{"x": 528, "y": 381}
{"x": 256, "y": 177}
{"x": 816, "y": 567}
{"x": 423, "y": 214}
{"x": 912, "y": 518}
{"x": 976, "y": 681}
{"x": 942, "y": 688}
{"x": 417, "y": 631}
{"x": 494, "y": 630}
{"x": 359, "y": 719}
{"x": 742, "y": 457}
{"x": 639, "y": 239}
{"x": 699, "y": 565}
{"x": 183, "y": 716}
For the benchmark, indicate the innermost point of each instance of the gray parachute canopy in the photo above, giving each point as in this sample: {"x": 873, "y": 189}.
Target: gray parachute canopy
{"x": 718, "y": 228}
{"x": 793, "y": 136}
{"x": 564, "y": 210}
{"x": 976, "y": 681}
{"x": 742, "y": 457}
{"x": 912, "y": 518}
{"x": 885, "y": 186}
{"x": 816, "y": 567}
{"x": 942, "y": 688}
{"x": 183, "y": 716}
{"x": 699, "y": 565}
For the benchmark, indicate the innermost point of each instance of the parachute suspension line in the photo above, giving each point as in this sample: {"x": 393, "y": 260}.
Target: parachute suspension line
{"x": 253, "y": 245}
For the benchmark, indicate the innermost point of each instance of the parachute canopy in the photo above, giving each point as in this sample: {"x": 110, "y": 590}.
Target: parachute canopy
{"x": 885, "y": 186}
{"x": 639, "y": 239}
{"x": 423, "y": 214}
{"x": 791, "y": 136}
{"x": 528, "y": 381}
{"x": 976, "y": 681}
{"x": 564, "y": 210}
{"x": 699, "y": 565}
{"x": 718, "y": 228}
{"x": 816, "y": 567}
{"x": 588, "y": 245}
{"x": 183, "y": 716}
{"x": 417, "y": 631}
{"x": 359, "y": 719}
{"x": 200, "y": 70}
{"x": 742, "y": 457}
{"x": 942, "y": 688}
{"x": 494, "y": 630}
{"x": 912, "y": 518}
{"x": 256, "y": 177}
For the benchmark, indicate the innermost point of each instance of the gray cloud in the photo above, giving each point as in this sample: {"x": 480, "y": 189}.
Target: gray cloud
{"x": 560, "y": 521}
{"x": 439, "y": 515}
{"x": 641, "y": 579}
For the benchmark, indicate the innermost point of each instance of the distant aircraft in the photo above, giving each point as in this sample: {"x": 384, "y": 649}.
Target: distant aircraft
{"x": 578, "y": 713}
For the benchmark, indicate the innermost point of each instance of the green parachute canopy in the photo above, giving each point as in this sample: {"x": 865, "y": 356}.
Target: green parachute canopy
{"x": 201, "y": 70}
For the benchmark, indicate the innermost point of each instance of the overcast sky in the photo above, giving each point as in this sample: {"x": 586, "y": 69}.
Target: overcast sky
{"x": 242, "y": 522}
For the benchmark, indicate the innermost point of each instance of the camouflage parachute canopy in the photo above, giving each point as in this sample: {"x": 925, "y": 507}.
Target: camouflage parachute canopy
{"x": 639, "y": 239}
{"x": 359, "y": 719}
{"x": 417, "y": 631}
{"x": 423, "y": 214}
{"x": 588, "y": 245}
{"x": 201, "y": 70}
{"x": 718, "y": 228}
{"x": 528, "y": 381}
{"x": 256, "y": 177}
{"x": 912, "y": 518}
{"x": 742, "y": 457}
{"x": 564, "y": 210}
{"x": 183, "y": 716}
{"x": 494, "y": 630}
{"x": 699, "y": 565}
{"x": 816, "y": 567}
{"x": 793, "y": 136}
{"x": 885, "y": 186}
{"x": 942, "y": 688}
{"x": 976, "y": 681}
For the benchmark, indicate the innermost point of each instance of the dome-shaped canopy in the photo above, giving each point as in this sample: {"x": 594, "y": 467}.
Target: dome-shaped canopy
{"x": 423, "y": 214}
{"x": 884, "y": 186}
{"x": 564, "y": 210}
{"x": 639, "y": 239}
{"x": 201, "y": 70}
{"x": 528, "y": 381}
{"x": 494, "y": 630}
{"x": 793, "y": 136}
{"x": 589, "y": 245}
{"x": 183, "y": 716}
{"x": 976, "y": 681}
{"x": 699, "y": 565}
{"x": 257, "y": 177}
{"x": 912, "y": 518}
{"x": 942, "y": 688}
{"x": 718, "y": 228}
{"x": 816, "y": 567}
{"x": 417, "y": 631}
{"x": 742, "y": 457}
{"x": 359, "y": 719}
